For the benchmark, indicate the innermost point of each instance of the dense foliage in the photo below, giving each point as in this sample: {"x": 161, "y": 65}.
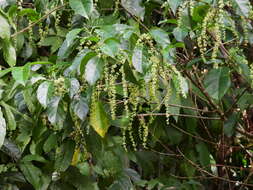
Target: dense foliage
{"x": 126, "y": 94}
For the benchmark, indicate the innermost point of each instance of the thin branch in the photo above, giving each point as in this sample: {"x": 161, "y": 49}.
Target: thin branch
{"x": 38, "y": 21}
{"x": 210, "y": 174}
{"x": 180, "y": 115}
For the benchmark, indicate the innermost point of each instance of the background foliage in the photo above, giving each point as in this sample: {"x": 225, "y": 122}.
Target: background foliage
{"x": 130, "y": 94}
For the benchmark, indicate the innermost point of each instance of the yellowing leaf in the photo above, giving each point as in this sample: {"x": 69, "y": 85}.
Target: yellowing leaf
{"x": 76, "y": 157}
{"x": 98, "y": 119}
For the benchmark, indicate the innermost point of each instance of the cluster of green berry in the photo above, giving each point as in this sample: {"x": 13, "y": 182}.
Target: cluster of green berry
{"x": 59, "y": 87}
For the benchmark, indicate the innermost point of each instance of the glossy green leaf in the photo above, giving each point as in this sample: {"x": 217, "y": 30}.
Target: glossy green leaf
{"x": 55, "y": 112}
{"x": 160, "y": 36}
{"x": 32, "y": 174}
{"x": 98, "y": 119}
{"x": 44, "y": 93}
{"x": 174, "y": 4}
{"x": 217, "y": 82}
{"x": 5, "y": 28}
{"x": 9, "y": 116}
{"x": 80, "y": 108}
{"x": 243, "y": 7}
{"x": 110, "y": 47}
{"x": 134, "y": 7}
{"x": 9, "y": 53}
{"x": 50, "y": 143}
{"x": 64, "y": 158}
{"x": 68, "y": 44}
{"x": 2, "y": 128}
{"x": 180, "y": 34}
{"x": 82, "y": 7}
{"x": 93, "y": 70}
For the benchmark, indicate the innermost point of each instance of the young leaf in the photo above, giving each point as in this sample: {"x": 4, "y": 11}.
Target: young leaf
{"x": 98, "y": 119}
{"x": 82, "y": 7}
{"x": 2, "y": 128}
{"x": 21, "y": 74}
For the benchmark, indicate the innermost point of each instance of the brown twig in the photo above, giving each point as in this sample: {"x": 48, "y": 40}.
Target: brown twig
{"x": 180, "y": 115}
{"x": 210, "y": 174}
{"x": 39, "y": 20}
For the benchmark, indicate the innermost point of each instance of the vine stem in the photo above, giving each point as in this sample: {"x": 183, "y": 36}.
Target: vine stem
{"x": 38, "y": 21}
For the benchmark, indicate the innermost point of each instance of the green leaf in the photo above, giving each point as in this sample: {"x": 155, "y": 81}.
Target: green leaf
{"x": 32, "y": 174}
{"x": 44, "y": 93}
{"x": 93, "y": 70}
{"x": 217, "y": 82}
{"x": 82, "y": 7}
{"x": 174, "y": 4}
{"x": 11, "y": 149}
{"x": 68, "y": 44}
{"x": 98, "y": 119}
{"x": 110, "y": 47}
{"x": 9, "y": 53}
{"x": 204, "y": 154}
{"x": 180, "y": 33}
{"x": 134, "y": 7}
{"x": 2, "y": 128}
{"x": 50, "y": 143}
{"x": 80, "y": 108}
{"x": 35, "y": 157}
{"x": 160, "y": 36}
{"x": 21, "y": 74}
{"x": 5, "y": 32}
{"x": 64, "y": 158}
{"x": 243, "y": 7}
{"x": 230, "y": 124}
{"x": 140, "y": 60}
{"x": 9, "y": 117}
{"x": 55, "y": 112}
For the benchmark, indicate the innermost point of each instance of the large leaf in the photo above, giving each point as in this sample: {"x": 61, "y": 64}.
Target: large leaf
{"x": 68, "y": 43}
{"x": 9, "y": 53}
{"x": 2, "y": 128}
{"x": 5, "y": 28}
{"x": 64, "y": 158}
{"x": 134, "y": 7}
{"x": 55, "y": 112}
{"x": 82, "y": 7}
{"x": 93, "y": 70}
{"x": 217, "y": 82}
{"x": 98, "y": 119}
{"x": 50, "y": 143}
{"x": 110, "y": 47}
{"x": 140, "y": 59}
{"x": 80, "y": 108}
{"x": 21, "y": 74}
{"x": 44, "y": 93}
{"x": 160, "y": 36}
{"x": 243, "y": 7}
